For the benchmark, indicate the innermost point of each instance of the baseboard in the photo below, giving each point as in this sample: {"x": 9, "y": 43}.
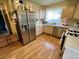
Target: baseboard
{"x": 48, "y": 34}
{"x": 39, "y": 34}
{"x": 52, "y": 35}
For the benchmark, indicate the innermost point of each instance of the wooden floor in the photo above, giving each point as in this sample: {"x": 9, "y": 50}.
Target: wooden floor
{"x": 44, "y": 47}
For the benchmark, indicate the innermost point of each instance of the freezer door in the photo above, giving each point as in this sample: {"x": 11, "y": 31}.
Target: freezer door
{"x": 31, "y": 22}
{"x": 24, "y": 27}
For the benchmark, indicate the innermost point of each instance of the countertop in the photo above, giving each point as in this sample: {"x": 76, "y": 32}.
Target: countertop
{"x": 57, "y": 25}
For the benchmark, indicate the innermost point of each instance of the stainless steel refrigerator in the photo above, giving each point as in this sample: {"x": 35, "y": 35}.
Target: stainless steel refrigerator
{"x": 26, "y": 26}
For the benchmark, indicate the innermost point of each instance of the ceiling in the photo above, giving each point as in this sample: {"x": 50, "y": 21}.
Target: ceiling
{"x": 45, "y": 2}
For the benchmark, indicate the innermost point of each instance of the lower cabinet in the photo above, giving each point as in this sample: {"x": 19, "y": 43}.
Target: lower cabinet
{"x": 48, "y": 29}
{"x": 58, "y": 31}
{"x": 54, "y": 30}
{"x": 39, "y": 28}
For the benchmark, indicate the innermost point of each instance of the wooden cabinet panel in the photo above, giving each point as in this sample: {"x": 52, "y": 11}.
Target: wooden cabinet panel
{"x": 39, "y": 31}
{"x": 53, "y": 30}
{"x": 58, "y": 31}
{"x": 68, "y": 11}
{"x": 55, "y": 33}
{"x": 48, "y": 29}
{"x": 37, "y": 9}
{"x": 76, "y": 16}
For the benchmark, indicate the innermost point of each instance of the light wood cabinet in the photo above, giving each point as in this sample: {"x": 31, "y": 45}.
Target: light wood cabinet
{"x": 37, "y": 9}
{"x": 53, "y": 30}
{"x": 48, "y": 29}
{"x": 39, "y": 12}
{"x": 58, "y": 31}
{"x": 76, "y": 15}
{"x": 68, "y": 11}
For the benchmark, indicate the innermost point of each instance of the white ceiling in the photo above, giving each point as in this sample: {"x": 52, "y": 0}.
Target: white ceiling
{"x": 45, "y": 2}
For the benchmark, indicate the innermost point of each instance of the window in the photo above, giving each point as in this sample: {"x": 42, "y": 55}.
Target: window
{"x": 54, "y": 15}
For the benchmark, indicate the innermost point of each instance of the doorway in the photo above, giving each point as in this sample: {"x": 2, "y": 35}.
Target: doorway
{"x": 3, "y": 27}
{"x": 6, "y": 36}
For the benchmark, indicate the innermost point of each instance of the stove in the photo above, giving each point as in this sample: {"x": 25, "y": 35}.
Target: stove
{"x": 74, "y": 33}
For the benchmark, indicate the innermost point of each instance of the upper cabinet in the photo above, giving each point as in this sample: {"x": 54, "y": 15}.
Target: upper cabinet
{"x": 36, "y": 8}
{"x": 41, "y": 13}
{"x": 15, "y": 4}
{"x": 76, "y": 15}
{"x": 68, "y": 11}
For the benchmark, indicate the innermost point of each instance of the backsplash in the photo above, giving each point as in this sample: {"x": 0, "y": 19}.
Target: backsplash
{"x": 72, "y": 22}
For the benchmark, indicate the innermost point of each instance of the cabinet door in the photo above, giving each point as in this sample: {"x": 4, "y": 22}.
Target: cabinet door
{"x": 68, "y": 11}
{"x": 55, "y": 33}
{"x": 77, "y": 12}
{"x": 58, "y": 31}
{"x": 41, "y": 13}
{"x": 39, "y": 28}
{"x": 48, "y": 29}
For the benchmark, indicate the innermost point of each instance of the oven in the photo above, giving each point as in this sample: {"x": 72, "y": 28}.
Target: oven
{"x": 69, "y": 39}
